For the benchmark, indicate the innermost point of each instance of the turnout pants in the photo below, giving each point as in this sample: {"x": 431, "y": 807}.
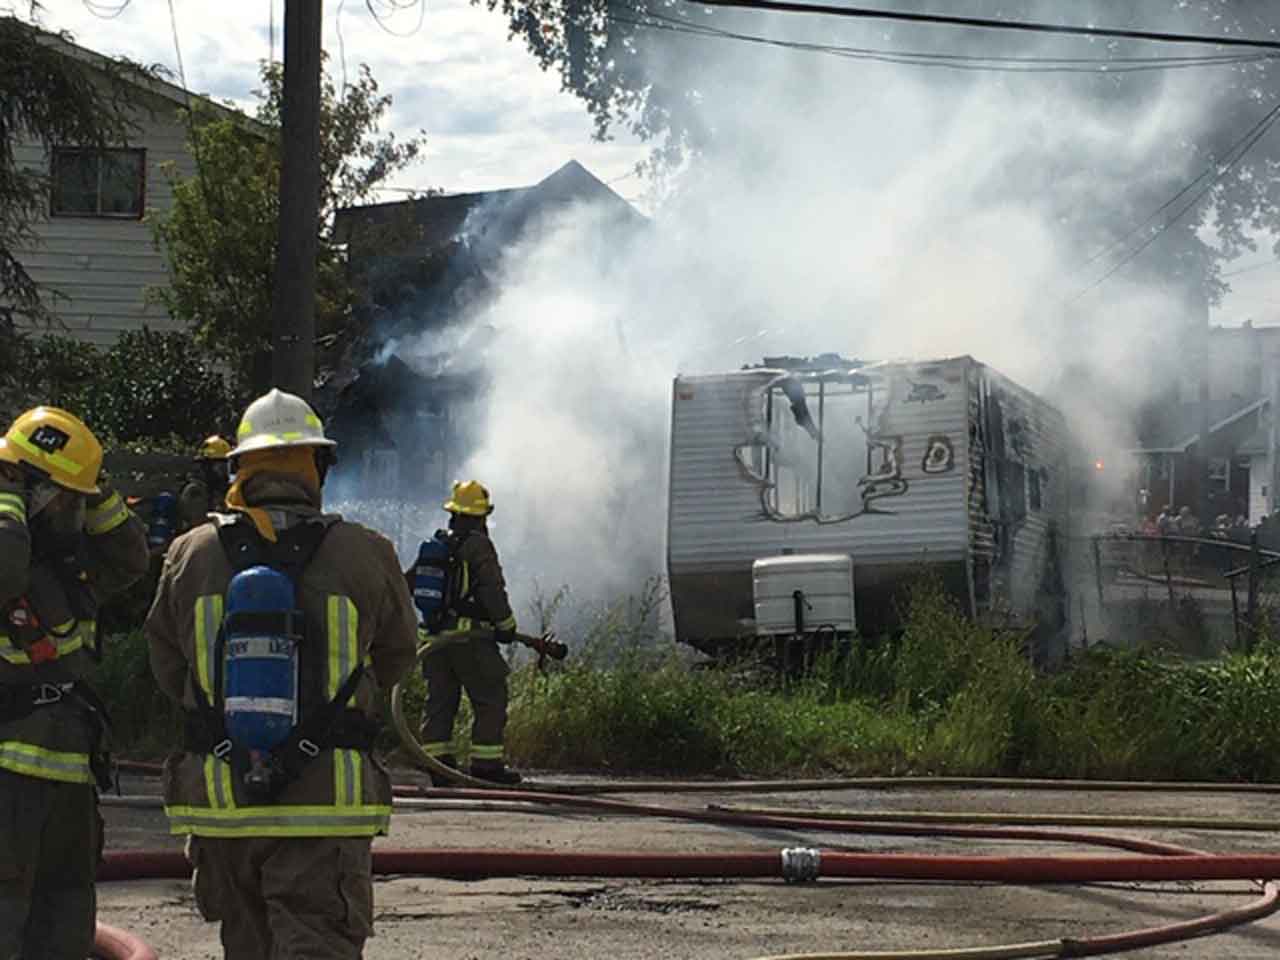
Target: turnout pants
{"x": 478, "y": 667}
{"x": 295, "y": 898}
{"x": 50, "y": 845}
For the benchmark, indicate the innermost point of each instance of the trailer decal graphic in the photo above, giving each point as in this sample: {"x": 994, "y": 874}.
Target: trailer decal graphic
{"x": 939, "y": 456}
{"x": 925, "y": 393}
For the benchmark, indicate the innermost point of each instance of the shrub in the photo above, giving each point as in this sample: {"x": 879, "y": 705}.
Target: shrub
{"x": 146, "y": 387}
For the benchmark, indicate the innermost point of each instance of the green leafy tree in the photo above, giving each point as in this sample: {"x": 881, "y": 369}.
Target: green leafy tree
{"x": 142, "y": 389}
{"x": 220, "y": 235}
{"x": 49, "y": 97}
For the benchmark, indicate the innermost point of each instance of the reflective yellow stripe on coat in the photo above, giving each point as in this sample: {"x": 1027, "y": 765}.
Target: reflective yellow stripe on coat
{"x": 67, "y": 638}
{"x": 342, "y": 631}
{"x": 105, "y": 517}
{"x": 44, "y": 764}
{"x": 221, "y": 815}
{"x": 13, "y": 505}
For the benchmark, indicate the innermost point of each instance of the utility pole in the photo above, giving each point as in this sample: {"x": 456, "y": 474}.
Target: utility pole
{"x": 1204, "y": 363}
{"x": 293, "y": 296}
{"x": 1271, "y": 384}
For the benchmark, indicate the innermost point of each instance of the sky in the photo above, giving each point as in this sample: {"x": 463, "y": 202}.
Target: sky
{"x": 491, "y": 117}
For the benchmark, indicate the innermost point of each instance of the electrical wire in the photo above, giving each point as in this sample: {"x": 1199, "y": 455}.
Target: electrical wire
{"x": 395, "y": 6}
{"x": 105, "y": 12}
{"x": 201, "y": 180}
{"x": 791, "y": 6}
{"x": 965, "y": 62}
{"x": 342, "y": 47}
{"x": 1241, "y": 149}
{"x": 1206, "y": 172}
{"x": 1249, "y": 269}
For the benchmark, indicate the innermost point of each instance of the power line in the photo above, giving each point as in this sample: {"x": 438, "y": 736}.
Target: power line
{"x": 342, "y": 48}
{"x": 1257, "y": 133}
{"x": 201, "y": 182}
{"x": 104, "y": 11}
{"x": 1257, "y": 266}
{"x": 693, "y": 26}
{"x": 398, "y": 5}
{"x": 1206, "y": 172}
{"x": 963, "y": 62}
{"x": 793, "y": 6}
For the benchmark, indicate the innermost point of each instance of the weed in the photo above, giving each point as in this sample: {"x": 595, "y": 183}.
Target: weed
{"x": 945, "y": 696}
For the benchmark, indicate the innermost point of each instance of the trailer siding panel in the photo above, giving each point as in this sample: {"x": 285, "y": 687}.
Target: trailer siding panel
{"x": 981, "y": 481}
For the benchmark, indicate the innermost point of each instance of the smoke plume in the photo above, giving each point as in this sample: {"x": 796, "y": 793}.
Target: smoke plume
{"x": 877, "y": 210}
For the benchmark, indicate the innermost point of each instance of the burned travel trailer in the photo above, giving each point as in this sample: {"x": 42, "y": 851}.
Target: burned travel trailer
{"x": 804, "y": 495}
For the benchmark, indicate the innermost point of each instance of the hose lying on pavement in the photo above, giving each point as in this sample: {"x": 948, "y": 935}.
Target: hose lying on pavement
{"x": 148, "y": 769}
{"x": 430, "y": 798}
{"x": 1264, "y": 906}
{"x": 1016, "y": 819}
{"x": 800, "y": 863}
{"x": 802, "y": 823}
{"x": 112, "y": 943}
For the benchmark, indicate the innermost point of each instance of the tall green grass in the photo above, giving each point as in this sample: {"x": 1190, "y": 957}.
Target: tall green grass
{"x": 945, "y": 696}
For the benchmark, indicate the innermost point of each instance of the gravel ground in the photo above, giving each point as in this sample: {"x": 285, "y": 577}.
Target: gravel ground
{"x": 583, "y": 918}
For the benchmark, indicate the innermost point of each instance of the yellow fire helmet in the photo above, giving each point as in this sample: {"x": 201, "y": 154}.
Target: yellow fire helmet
{"x": 470, "y": 498}
{"x": 57, "y": 445}
{"x": 214, "y": 448}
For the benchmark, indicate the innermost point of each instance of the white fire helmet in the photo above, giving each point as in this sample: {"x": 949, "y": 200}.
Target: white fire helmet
{"x": 278, "y": 420}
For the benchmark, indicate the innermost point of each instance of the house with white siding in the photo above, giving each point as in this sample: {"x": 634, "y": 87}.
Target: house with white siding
{"x": 1243, "y": 380}
{"x": 95, "y": 246}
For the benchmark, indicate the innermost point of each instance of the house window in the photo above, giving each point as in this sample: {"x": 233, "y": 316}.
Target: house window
{"x": 98, "y": 183}
{"x": 1033, "y": 489}
{"x": 1220, "y": 474}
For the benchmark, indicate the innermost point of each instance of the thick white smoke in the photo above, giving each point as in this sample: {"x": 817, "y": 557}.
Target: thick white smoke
{"x": 848, "y": 207}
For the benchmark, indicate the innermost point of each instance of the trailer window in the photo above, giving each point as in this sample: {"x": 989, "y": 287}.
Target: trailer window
{"x": 817, "y": 450}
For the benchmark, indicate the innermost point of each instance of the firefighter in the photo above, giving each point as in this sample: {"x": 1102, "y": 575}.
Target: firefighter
{"x": 465, "y": 654}
{"x": 66, "y": 541}
{"x": 205, "y": 492}
{"x": 280, "y": 836}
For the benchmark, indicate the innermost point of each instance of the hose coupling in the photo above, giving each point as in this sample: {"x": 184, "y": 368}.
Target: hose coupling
{"x": 801, "y": 864}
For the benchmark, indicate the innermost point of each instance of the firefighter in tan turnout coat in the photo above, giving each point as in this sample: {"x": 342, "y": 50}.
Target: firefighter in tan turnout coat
{"x": 281, "y": 839}
{"x": 463, "y": 653}
{"x": 66, "y": 541}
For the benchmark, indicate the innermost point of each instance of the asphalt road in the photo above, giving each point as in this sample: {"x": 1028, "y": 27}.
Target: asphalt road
{"x": 579, "y": 918}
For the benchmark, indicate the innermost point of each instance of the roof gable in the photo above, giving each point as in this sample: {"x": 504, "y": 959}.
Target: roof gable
{"x": 153, "y": 85}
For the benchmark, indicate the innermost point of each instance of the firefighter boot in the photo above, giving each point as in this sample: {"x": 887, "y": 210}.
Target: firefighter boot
{"x": 495, "y": 771}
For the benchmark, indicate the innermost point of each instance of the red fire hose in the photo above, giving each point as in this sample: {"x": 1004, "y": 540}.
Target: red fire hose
{"x": 112, "y": 943}
{"x": 795, "y": 863}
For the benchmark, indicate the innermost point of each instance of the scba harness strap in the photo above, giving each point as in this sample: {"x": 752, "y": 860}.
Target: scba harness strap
{"x": 20, "y": 700}
{"x": 325, "y": 725}
{"x": 40, "y": 646}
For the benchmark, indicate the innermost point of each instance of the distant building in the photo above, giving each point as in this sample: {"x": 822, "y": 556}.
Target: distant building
{"x": 94, "y": 247}
{"x": 1244, "y": 363}
{"x": 423, "y": 264}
